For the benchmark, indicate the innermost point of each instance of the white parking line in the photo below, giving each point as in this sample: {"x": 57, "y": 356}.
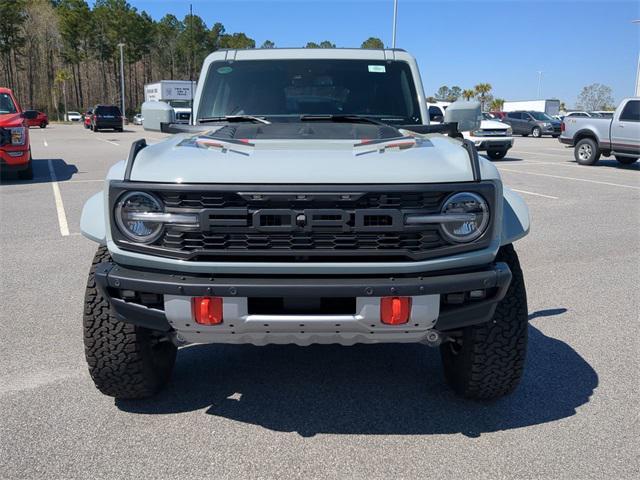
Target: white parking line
{"x": 45, "y": 143}
{"x": 108, "y": 141}
{"x": 572, "y": 178}
{"x": 83, "y": 181}
{"x": 536, "y": 194}
{"x": 62, "y": 217}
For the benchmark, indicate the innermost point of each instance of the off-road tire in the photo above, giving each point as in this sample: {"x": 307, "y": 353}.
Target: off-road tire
{"x": 488, "y": 360}
{"x": 626, "y": 160}
{"x": 125, "y": 361}
{"x": 536, "y": 132}
{"x": 586, "y": 152}
{"x": 27, "y": 173}
{"x": 496, "y": 154}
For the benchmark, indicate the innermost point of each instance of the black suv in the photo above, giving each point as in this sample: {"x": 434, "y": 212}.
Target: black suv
{"x": 535, "y": 124}
{"x": 107, "y": 116}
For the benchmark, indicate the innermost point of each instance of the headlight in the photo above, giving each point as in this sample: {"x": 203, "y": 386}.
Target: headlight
{"x": 130, "y": 213}
{"x": 477, "y": 133}
{"x": 509, "y": 131}
{"x": 469, "y": 217}
{"x": 18, "y": 136}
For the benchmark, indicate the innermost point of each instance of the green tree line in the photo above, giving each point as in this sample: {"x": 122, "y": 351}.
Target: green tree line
{"x": 57, "y": 52}
{"x": 481, "y": 92}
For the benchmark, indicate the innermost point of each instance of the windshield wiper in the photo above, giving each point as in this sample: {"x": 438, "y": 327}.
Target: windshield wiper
{"x": 341, "y": 119}
{"x": 235, "y": 118}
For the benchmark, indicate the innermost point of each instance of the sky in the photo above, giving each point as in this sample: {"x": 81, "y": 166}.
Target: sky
{"x": 501, "y": 42}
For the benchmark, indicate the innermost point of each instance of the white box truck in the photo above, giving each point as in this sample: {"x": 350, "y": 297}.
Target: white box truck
{"x": 550, "y": 107}
{"x": 177, "y": 93}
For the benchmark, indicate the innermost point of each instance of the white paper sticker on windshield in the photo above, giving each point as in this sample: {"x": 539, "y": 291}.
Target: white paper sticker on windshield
{"x": 377, "y": 68}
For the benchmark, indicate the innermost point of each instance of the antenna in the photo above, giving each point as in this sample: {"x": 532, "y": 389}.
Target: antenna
{"x": 395, "y": 19}
{"x": 193, "y": 59}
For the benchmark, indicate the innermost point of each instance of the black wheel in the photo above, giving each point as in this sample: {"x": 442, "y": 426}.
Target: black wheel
{"x": 120, "y": 129}
{"x": 487, "y": 361}
{"x": 95, "y": 128}
{"x": 536, "y": 132}
{"x": 626, "y": 160}
{"x": 586, "y": 152}
{"x": 496, "y": 154}
{"x": 43, "y": 125}
{"x": 27, "y": 173}
{"x": 555, "y": 135}
{"x": 125, "y": 361}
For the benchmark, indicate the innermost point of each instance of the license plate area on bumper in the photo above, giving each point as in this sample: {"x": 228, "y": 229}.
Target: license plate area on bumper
{"x": 238, "y": 320}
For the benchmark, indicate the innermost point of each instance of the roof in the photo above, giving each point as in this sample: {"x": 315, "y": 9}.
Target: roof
{"x": 387, "y": 54}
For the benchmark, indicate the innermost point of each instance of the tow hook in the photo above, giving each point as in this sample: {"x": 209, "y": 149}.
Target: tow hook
{"x": 433, "y": 338}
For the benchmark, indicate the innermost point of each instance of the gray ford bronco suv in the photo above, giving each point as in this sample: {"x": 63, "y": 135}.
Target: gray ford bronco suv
{"x": 308, "y": 202}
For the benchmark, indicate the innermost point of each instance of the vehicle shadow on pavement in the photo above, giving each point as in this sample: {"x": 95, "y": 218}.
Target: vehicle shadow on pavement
{"x": 366, "y": 389}
{"x": 616, "y": 164}
{"x": 41, "y": 173}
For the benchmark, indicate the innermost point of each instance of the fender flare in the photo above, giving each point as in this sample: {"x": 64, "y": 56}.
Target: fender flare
{"x": 515, "y": 217}
{"x": 92, "y": 221}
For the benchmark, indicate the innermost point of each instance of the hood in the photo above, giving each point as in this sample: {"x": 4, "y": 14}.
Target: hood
{"x": 11, "y": 120}
{"x": 493, "y": 125}
{"x": 192, "y": 158}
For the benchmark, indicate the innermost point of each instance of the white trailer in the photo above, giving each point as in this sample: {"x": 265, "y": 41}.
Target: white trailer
{"x": 177, "y": 93}
{"x": 550, "y": 107}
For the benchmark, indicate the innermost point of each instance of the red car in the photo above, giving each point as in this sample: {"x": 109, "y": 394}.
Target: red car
{"x": 499, "y": 115}
{"x": 41, "y": 120}
{"x": 15, "y": 151}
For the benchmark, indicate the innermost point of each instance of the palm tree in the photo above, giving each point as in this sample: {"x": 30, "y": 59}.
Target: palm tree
{"x": 468, "y": 94}
{"x": 496, "y": 105}
{"x": 482, "y": 89}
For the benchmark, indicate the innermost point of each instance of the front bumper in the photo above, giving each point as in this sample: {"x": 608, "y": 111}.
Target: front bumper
{"x": 125, "y": 288}
{"x": 14, "y": 158}
{"x": 492, "y": 143}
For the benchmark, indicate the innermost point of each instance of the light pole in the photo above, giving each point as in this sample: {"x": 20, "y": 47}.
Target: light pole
{"x": 637, "y": 68}
{"x": 395, "y": 20}
{"x": 121, "y": 46}
{"x": 539, "y": 83}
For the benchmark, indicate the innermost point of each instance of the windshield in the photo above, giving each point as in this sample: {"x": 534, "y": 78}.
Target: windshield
{"x": 6, "y": 104}
{"x": 541, "y": 116}
{"x": 290, "y": 88}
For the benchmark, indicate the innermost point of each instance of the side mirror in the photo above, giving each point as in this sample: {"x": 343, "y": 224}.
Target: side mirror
{"x": 30, "y": 114}
{"x": 466, "y": 114}
{"x": 155, "y": 113}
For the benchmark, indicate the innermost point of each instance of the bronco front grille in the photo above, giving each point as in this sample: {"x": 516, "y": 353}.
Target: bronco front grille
{"x": 304, "y": 223}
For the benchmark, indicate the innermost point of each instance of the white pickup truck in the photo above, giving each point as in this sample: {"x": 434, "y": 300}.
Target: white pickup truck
{"x": 594, "y": 136}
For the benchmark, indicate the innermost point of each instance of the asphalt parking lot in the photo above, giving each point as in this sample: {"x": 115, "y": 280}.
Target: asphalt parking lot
{"x": 326, "y": 411}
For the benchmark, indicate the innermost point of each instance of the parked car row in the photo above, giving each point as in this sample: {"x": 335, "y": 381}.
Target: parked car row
{"x": 104, "y": 116}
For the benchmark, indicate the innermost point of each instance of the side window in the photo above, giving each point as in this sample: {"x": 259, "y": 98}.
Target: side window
{"x": 631, "y": 112}
{"x": 515, "y": 115}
